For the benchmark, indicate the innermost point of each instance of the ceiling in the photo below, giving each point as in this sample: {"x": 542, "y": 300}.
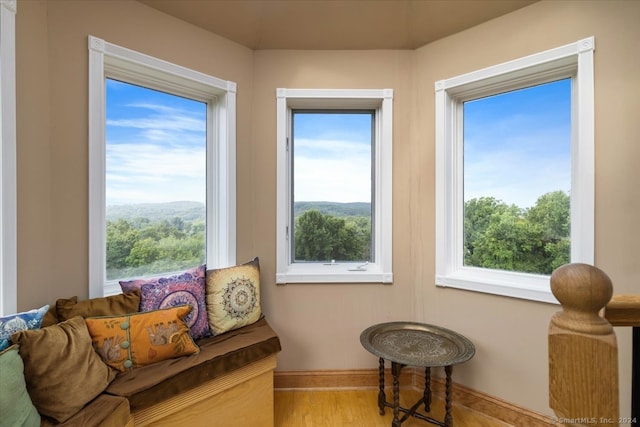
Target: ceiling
{"x": 335, "y": 24}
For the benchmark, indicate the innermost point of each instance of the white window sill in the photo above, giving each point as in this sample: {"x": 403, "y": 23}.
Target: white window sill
{"x": 516, "y": 285}
{"x": 334, "y": 273}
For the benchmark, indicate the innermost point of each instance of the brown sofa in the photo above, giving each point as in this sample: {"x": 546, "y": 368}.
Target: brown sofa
{"x": 228, "y": 382}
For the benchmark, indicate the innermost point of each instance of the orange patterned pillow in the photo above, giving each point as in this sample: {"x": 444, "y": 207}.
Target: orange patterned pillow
{"x": 138, "y": 339}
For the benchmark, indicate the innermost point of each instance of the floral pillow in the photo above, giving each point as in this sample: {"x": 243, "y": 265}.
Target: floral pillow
{"x": 233, "y": 296}
{"x": 184, "y": 288}
{"x": 13, "y": 323}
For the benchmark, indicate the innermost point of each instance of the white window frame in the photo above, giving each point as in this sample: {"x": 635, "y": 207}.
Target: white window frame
{"x": 109, "y": 60}
{"x": 8, "y": 185}
{"x": 380, "y": 269}
{"x": 574, "y": 60}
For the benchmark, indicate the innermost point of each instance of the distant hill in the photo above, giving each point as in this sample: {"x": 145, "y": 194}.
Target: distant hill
{"x": 188, "y": 211}
{"x": 334, "y": 208}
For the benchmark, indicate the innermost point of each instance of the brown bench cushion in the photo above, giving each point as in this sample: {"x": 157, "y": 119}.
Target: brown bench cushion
{"x": 103, "y": 411}
{"x": 218, "y": 355}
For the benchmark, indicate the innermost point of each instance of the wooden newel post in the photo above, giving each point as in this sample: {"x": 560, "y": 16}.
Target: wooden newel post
{"x": 583, "y": 352}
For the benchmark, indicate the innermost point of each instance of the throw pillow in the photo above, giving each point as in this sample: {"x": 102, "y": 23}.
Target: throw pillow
{"x": 15, "y": 404}
{"x": 105, "y": 306}
{"x": 62, "y": 371}
{"x": 138, "y": 339}
{"x": 233, "y": 296}
{"x": 50, "y": 317}
{"x": 13, "y": 323}
{"x": 184, "y": 288}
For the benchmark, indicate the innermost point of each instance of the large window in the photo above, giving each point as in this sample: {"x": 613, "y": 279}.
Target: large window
{"x": 162, "y": 174}
{"x": 155, "y": 188}
{"x": 334, "y": 186}
{"x": 8, "y": 190}
{"x": 515, "y": 172}
{"x": 331, "y": 185}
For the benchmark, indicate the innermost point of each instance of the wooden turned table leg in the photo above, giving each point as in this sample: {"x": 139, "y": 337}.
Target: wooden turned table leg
{"x": 448, "y": 419}
{"x": 381, "y": 396}
{"x": 427, "y": 389}
{"x": 395, "y": 370}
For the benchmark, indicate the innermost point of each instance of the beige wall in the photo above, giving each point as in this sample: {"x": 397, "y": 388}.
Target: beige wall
{"x": 510, "y": 334}
{"x": 320, "y": 324}
{"x": 52, "y": 128}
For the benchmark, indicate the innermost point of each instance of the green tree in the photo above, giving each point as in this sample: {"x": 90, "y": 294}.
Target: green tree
{"x": 478, "y": 215}
{"x": 552, "y": 214}
{"x": 321, "y": 237}
{"x": 144, "y": 252}
{"x": 121, "y": 237}
{"x": 506, "y": 237}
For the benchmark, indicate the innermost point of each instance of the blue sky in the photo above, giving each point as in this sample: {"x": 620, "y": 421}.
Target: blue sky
{"x": 517, "y": 146}
{"x": 332, "y": 157}
{"x": 156, "y": 146}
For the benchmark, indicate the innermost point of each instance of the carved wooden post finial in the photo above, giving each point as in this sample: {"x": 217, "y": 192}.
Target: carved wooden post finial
{"x": 583, "y": 290}
{"x": 583, "y": 353}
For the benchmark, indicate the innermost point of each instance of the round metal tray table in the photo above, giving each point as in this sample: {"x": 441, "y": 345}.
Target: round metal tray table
{"x": 416, "y": 344}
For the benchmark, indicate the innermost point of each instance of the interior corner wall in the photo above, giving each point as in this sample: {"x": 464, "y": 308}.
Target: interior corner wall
{"x": 320, "y": 324}
{"x": 510, "y": 334}
{"x": 52, "y": 129}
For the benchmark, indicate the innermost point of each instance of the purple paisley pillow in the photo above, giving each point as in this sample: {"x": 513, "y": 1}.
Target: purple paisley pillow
{"x": 184, "y": 288}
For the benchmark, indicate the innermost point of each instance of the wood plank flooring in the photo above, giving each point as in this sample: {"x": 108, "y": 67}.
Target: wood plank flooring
{"x": 359, "y": 408}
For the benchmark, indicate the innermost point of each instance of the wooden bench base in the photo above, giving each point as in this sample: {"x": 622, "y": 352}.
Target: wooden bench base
{"x": 239, "y": 399}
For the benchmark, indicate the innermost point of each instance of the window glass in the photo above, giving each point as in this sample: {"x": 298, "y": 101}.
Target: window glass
{"x": 332, "y": 185}
{"x": 517, "y": 179}
{"x": 155, "y": 184}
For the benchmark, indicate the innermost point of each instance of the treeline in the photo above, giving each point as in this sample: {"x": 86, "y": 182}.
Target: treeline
{"x": 506, "y": 237}
{"x": 496, "y": 236}
{"x": 333, "y": 208}
{"x": 141, "y": 247}
{"x": 324, "y": 237}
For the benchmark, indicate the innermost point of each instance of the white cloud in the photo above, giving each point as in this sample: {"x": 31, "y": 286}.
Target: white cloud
{"x": 139, "y": 173}
{"x": 332, "y": 170}
{"x": 157, "y": 158}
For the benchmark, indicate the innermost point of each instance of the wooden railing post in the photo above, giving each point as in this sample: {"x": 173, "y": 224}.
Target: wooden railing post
{"x": 624, "y": 310}
{"x": 583, "y": 352}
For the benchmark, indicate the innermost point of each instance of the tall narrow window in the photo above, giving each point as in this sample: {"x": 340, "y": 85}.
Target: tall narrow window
{"x": 334, "y": 192}
{"x": 517, "y": 179}
{"x": 155, "y": 181}
{"x": 515, "y": 172}
{"x": 161, "y": 168}
{"x": 332, "y": 185}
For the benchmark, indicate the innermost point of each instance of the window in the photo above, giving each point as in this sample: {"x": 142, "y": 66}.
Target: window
{"x": 334, "y": 186}
{"x": 515, "y": 172}
{"x": 8, "y": 218}
{"x": 161, "y": 165}
{"x": 155, "y": 181}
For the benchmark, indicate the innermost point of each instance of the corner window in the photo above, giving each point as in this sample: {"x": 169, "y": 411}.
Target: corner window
{"x": 162, "y": 180}
{"x": 514, "y": 173}
{"x": 8, "y": 189}
{"x": 334, "y": 186}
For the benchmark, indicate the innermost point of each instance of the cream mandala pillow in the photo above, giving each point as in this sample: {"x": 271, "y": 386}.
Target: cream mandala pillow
{"x": 233, "y": 296}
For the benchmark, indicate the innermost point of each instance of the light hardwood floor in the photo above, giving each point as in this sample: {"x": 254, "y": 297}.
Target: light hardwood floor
{"x": 359, "y": 408}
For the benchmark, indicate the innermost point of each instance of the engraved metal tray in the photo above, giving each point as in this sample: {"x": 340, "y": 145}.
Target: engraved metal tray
{"x": 417, "y": 344}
